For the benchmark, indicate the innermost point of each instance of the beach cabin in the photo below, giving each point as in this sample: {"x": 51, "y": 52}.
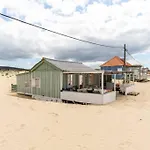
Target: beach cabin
{"x": 49, "y": 79}
{"x": 57, "y": 80}
{"x": 115, "y": 64}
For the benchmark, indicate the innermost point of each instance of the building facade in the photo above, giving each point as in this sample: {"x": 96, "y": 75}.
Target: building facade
{"x": 46, "y": 77}
{"x": 115, "y": 64}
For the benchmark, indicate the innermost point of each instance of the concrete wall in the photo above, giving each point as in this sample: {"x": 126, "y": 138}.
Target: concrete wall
{"x": 89, "y": 97}
{"x": 82, "y": 97}
{"x": 109, "y": 97}
{"x": 127, "y": 88}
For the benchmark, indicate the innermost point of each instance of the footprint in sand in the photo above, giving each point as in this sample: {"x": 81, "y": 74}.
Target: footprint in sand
{"x": 21, "y": 127}
{"x": 32, "y": 108}
{"x": 125, "y": 144}
{"x": 82, "y": 147}
{"x": 46, "y": 129}
{"x": 86, "y": 134}
{"x": 2, "y": 142}
{"x": 32, "y": 148}
{"x": 15, "y": 104}
{"x": 54, "y": 114}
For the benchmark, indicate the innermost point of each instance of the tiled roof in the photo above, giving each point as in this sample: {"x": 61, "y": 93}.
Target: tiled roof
{"x": 69, "y": 65}
{"x": 115, "y": 61}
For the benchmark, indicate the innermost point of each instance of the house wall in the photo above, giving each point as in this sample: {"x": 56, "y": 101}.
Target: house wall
{"x": 137, "y": 72}
{"x": 24, "y": 83}
{"x": 144, "y": 73}
{"x": 114, "y": 68}
{"x": 111, "y": 68}
{"x": 50, "y": 81}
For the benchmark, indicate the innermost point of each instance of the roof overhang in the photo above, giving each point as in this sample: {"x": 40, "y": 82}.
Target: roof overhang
{"x": 100, "y": 72}
{"x": 118, "y": 72}
{"x": 136, "y": 66}
{"x": 85, "y": 72}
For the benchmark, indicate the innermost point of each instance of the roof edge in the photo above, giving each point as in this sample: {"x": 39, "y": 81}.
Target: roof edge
{"x": 42, "y": 61}
{"x": 63, "y": 60}
{"x": 127, "y": 63}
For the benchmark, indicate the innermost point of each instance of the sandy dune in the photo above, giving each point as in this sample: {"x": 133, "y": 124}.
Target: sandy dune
{"x": 27, "y": 124}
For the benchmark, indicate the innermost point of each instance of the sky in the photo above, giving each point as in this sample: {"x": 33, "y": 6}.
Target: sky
{"x": 109, "y": 22}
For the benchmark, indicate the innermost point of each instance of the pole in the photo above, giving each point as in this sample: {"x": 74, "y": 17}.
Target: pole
{"x": 125, "y": 57}
{"x": 125, "y": 63}
{"x": 102, "y": 83}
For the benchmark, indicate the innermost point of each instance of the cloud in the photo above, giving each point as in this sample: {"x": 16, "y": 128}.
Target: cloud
{"x": 97, "y": 21}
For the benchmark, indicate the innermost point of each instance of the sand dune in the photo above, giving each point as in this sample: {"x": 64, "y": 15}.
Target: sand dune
{"x": 35, "y": 125}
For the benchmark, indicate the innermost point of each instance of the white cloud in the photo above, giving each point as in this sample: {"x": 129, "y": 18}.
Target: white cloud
{"x": 113, "y": 25}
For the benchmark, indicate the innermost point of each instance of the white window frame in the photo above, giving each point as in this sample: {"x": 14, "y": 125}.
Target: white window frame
{"x": 119, "y": 69}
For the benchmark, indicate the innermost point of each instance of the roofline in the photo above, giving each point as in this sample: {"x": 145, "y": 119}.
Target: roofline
{"x": 116, "y": 72}
{"x": 127, "y": 63}
{"x": 98, "y": 72}
{"x": 63, "y": 60}
{"x": 42, "y": 61}
{"x": 37, "y": 64}
{"x": 23, "y": 73}
{"x": 136, "y": 66}
{"x": 117, "y": 65}
{"x": 84, "y": 72}
{"x": 107, "y": 61}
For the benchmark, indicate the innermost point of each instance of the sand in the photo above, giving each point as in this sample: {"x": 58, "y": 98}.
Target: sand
{"x": 27, "y": 124}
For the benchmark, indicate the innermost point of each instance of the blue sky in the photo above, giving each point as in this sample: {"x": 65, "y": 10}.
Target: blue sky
{"x": 23, "y": 46}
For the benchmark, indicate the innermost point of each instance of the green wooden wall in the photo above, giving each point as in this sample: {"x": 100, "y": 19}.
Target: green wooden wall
{"x": 24, "y": 83}
{"x": 50, "y": 81}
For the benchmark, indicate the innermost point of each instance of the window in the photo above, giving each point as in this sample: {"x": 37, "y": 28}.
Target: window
{"x": 119, "y": 69}
{"x": 37, "y": 82}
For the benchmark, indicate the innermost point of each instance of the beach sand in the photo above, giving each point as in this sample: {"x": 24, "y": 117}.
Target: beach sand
{"x": 27, "y": 124}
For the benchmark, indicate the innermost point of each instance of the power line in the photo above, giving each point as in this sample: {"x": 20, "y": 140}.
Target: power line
{"x": 58, "y": 33}
{"x": 133, "y": 58}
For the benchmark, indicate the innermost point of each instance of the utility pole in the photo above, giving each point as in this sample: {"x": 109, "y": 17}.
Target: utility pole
{"x": 125, "y": 69}
{"x": 125, "y": 50}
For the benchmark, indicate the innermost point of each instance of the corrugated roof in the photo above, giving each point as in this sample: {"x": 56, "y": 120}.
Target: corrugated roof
{"x": 115, "y": 61}
{"x": 69, "y": 65}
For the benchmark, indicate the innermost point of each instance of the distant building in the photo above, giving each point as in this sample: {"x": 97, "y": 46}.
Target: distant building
{"x": 117, "y": 64}
{"x": 137, "y": 69}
